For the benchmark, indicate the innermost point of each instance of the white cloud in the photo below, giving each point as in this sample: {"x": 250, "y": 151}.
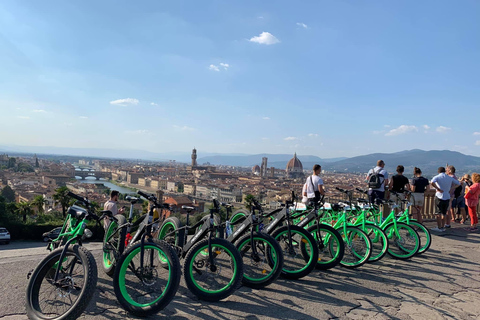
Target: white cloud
{"x": 183, "y": 128}
{"x": 265, "y": 38}
{"x": 477, "y": 143}
{"x": 153, "y": 104}
{"x": 386, "y": 126}
{"x": 313, "y": 134}
{"x": 213, "y": 67}
{"x": 401, "y": 130}
{"x": 137, "y": 132}
{"x": 303, "y": 25}
{"x": 443, "y": 129}
{"x": 265, "y": 139}
{"x": 225, "y": 65}
{"x": 23, "y": 117}
{"x": 125, "y": 102}
{"x": 83, "y": 117}
{"x": 426, "y": 127}
{"x": 378, "y": 131}
{"x": 260, "y": 17}
{"x": 39, "y": 111}
{"x": 266, "y": 118}
{"x": 476, "y": 133}
{"x": 290, "y": 138}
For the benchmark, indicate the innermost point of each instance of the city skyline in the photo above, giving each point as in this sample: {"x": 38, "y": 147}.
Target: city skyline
{"x": 319, "y": 78}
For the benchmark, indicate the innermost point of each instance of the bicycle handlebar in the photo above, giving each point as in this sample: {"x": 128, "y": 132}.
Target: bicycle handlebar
{"x": 361, "y": 190}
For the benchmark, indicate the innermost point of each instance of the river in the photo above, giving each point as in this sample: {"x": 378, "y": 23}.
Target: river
{"x": 106, "y": 184}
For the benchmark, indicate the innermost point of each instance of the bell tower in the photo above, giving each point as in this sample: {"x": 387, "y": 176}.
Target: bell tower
{"x": 194, "y": 157}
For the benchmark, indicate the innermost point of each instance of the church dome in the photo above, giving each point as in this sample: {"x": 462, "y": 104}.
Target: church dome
{"x": 294, "y": 165}
{"x": 256, "y": 168}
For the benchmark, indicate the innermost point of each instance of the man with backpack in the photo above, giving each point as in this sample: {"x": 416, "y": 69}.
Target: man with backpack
{"x": 377, "y": 179}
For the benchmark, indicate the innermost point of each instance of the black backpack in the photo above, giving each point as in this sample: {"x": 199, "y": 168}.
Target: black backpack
{"x": 375, "y": 180}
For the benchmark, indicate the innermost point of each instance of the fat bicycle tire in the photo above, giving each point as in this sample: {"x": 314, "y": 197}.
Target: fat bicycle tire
{"x": 115, "y": 246}
{"x": 259, "y": 272}
{"x": 199, "y": 274}
{"x": 330, "y": 253}
{"x": 128, "y": 274}
{"x": 304, "y": 251}
{"x": 44, "y": 274}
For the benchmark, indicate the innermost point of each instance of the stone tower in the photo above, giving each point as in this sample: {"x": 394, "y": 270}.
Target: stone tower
{"x": 36, "y": 161}
{"x": 263, "y": 168}
{"x": 194, "y": 157}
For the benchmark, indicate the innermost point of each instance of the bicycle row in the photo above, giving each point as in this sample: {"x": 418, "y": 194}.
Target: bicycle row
{"x": 219, "y": 253}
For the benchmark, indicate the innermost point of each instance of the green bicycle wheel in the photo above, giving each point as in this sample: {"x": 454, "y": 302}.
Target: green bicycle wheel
{"x": 113, "y": 243}
{"x": 331, "y": 247}
{"x": 144, "y": 287}
{"x": 404, "y": 242}
{"x": 265, "y": 267}
{"x": 213, "y": 282}
{"x": 358, "y": 247}
{"x": 301, "y": 257}
{"x": 379, "y": 242}
{"x": 424, "y": 234}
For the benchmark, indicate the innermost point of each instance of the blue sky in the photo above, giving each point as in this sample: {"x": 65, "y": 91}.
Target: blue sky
{"x": 326, "y": 78}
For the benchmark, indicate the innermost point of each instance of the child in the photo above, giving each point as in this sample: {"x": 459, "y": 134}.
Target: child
{"x": 471, "y": 200}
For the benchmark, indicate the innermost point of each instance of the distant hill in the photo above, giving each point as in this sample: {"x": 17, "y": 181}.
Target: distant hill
{"x": 427, "y": 161}
{"x": 274, "y": 160}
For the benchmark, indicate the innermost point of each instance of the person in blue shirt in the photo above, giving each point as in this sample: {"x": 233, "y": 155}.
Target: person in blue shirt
{"x": 444, "y": 184}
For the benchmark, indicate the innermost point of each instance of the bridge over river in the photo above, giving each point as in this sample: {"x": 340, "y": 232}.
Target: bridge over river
{"x": 96, "y": 174}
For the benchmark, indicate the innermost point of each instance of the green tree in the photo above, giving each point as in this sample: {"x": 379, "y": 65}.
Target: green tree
{"x": 24, "y": 167}
{"x": 39, "y": 202}
{"x": 248, "y": 201}
{"x": 24, "y": 208}
{"x": 12, "y": 162}
{"x": 8, "y": 194}
{"x": 94, "y": 206}
{"x": 61, "y": 197}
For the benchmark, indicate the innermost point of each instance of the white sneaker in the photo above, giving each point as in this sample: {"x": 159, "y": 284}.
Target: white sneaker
{"x": 437, "y": 229}
{"x": 443, "y": 230}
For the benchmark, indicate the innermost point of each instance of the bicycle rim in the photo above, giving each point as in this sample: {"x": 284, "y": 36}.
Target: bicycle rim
{"x": 423, "y": 234}
{"x": 403, "y": 243}
{"x": 142, "y": 287}
{"x": 217, "y": 279}
{"x": 329, "y": 248}
{"x": 357, "y": 247}
{"x": 262, "y": 266}
{"x": 379, "y": 242}
{"x": 52, "y": 301}
{"x": 295, "y": 259}
{"x": 108, "y": 256}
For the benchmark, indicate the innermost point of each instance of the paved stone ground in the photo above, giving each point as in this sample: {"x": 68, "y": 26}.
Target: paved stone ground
{"x": 444, "y": 283}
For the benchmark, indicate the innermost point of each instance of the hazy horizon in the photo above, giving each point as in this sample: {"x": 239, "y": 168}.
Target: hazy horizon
{"x": 326, "y": 78}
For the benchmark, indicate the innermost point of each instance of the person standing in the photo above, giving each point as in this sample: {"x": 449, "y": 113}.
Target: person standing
{"x": 471, "y": 199}
{"x": 314, "y": 185}
{"x": 444, "y": 184}
{"x": 451, "y": 212}
{"x": 111, "y": 205}
{"x": 458, "y": 202}
{"x": 377, "y": 179}
{"x": 399, "y": 183}
{"x": 418, "y": 187}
